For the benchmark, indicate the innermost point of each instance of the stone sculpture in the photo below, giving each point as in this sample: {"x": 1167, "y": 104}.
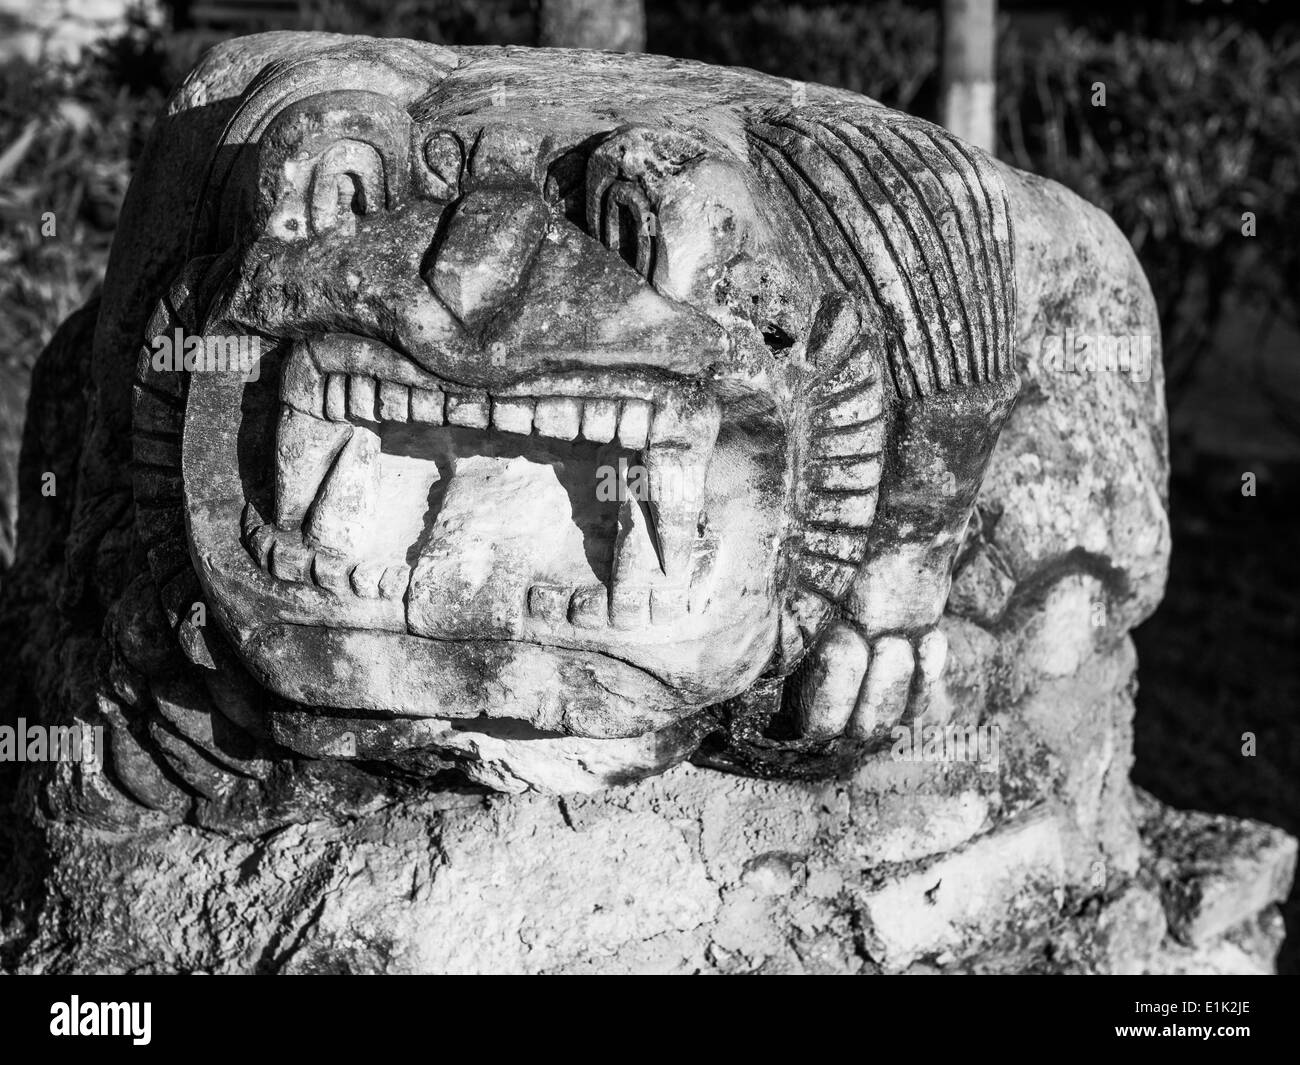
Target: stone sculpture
{"x": 466, "y": 310}
{"x": 503, "y": 420}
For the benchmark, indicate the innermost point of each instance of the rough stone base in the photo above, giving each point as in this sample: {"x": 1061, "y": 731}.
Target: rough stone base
{"x": 696, "y": 871}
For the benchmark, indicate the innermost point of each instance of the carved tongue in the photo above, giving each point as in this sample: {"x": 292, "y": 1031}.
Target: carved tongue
{"x": 305, "y": 447}
{"x": 348, "y": 500}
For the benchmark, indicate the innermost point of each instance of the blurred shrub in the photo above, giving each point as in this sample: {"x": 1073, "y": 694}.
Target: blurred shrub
{"x": 68, "y": 136}
{"x": 886, "y": 50}
{"x": 1194, "y": 133}
{"x": 440, "y": 21}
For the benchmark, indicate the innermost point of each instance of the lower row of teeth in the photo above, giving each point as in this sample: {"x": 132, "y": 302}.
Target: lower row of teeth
{"x": 285, "y": 556}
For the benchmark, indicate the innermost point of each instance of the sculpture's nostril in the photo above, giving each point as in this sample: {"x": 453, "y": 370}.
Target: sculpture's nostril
{"x": 482, "y": 251}
{"x": 627, "y": 234}
{"x": 630, "y": 220}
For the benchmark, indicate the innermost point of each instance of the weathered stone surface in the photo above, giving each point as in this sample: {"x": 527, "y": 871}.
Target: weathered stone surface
{"x": 1248, "y": 950}
{"x": 375, "y": 639}
{"x": 1216, "y": 873}
{"x": 691, "y": 872}
{"x": 968, "y": 895}
{"x": 983, "y": 589}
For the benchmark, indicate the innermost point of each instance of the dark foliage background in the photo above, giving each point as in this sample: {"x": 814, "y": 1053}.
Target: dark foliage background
{"x": 1201, "y": 124}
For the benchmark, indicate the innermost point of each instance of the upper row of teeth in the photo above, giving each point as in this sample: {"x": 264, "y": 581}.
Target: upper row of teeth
{"x": 355, "y": 397}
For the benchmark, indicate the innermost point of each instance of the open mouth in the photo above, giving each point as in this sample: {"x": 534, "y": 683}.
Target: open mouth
{"x": 566, "y": 503}
{"x": 589, "y": 550}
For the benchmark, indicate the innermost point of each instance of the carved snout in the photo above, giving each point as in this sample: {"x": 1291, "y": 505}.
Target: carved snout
{"x": 483, "y": 251}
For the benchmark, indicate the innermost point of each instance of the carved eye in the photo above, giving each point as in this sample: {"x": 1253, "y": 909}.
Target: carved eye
{"x": 324, "y": 191}
{"x": 347, "y": 182}
{"x": 628, "y": 226}
{"x": 614, "y": 211}
{"x": 328, "y": 160}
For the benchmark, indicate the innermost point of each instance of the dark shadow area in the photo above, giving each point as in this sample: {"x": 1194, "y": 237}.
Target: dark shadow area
{"x": 1218, "y": 660}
